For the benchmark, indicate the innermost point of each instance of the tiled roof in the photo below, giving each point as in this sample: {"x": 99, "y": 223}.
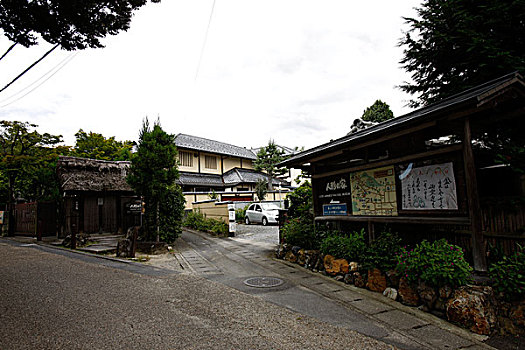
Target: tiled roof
{"x": 473, "y": 95}
{"x": 205, "y": 145}
{"x": 237, "y": 176}
{"x": 195, "y": 179}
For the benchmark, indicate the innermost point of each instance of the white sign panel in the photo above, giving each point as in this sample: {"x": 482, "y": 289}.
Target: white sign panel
{"x": 429, "y": 188}
{"x": 233, "y": 227}
{"x": 231, "y": 215}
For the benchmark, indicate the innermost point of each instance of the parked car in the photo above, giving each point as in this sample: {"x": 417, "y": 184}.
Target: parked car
{"x": 264, "y": 213}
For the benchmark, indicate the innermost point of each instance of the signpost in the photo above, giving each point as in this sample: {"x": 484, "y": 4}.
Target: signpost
{"x": 231, "y": 217}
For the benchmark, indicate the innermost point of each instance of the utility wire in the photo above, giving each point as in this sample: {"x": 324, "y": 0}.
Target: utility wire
{"x": 205, "y": 40}
{"x": 54, "y": 71}
{"x": 28, "y": 68}
{"x": 8, "y": 50}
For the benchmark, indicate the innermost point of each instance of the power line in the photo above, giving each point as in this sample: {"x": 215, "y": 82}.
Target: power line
{"x": 205, "y": 40}
{"x": 53, "y": 71}
{"x": 8, "y": 50}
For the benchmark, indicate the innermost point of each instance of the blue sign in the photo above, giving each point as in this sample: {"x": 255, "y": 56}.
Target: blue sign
{"x": 335, "y": 209}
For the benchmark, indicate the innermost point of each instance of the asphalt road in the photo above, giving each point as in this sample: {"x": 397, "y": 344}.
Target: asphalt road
{"x": 62, "y": 300}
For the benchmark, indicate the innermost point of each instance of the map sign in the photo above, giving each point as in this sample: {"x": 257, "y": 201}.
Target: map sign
{"x": 429, "y": 188}
{"x": 374, "y": 192}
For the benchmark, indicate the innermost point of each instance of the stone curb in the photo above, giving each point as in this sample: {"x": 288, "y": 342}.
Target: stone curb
{"x": 477, "y": 339}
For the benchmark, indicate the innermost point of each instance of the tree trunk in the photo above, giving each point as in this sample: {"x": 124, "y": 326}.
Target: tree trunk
{"x": 11, "y": 206}
{"x": 270, "y": 183}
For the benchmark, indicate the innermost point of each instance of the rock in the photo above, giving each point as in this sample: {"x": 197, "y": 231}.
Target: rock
{"x": 516, "y": 315}
{"x": 82, "y": 239}
{"x": 354, "y": 266}
{"x": 339, "y": 278}
{"x": 280, "y": 252}
{"x": 296, "y": 249}
{"x": 335, "y": 266}
{"x": 301, "y": 257}
{"x": 407, "y": 294}
{"x": 445, "y": 291}
{"x": 359, "y": 280}
{"x": 441, "y": 304}
{"x": 124, "y": 248}
{"x": 473, "y": 307}
{"x": 290, "y": 256}
{"x": 311, "y": 259}
{"x": 390, "y": 293}
{"x": 392, "y": 278}
{"x": 427, "y": 295}
{"x": 349, "y": 279}
{"x": 319, "y": 266}
{"x": 376, "y": 281}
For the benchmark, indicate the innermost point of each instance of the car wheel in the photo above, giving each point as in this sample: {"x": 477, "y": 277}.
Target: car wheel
{"x": 265, "y": 221}
{"x": 246, "y": 220}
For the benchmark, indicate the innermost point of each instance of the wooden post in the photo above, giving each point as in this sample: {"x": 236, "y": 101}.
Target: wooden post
{"x": 478, "y": 248}
{"x": 371, "y": 232}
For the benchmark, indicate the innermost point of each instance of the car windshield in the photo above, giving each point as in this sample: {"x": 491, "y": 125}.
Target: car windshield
{"x": 270, "y": 207}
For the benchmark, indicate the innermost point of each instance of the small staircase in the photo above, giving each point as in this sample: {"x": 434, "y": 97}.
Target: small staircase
{"x": 106, "y": 244}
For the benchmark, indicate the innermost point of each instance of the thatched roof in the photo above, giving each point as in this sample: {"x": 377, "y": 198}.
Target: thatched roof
{"x": 83, "y": 174}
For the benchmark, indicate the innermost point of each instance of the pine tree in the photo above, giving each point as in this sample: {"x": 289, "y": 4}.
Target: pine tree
{"x": 267, "y": 159}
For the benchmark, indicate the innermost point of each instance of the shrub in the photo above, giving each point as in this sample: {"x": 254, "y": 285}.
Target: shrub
{"x": 197, "y": 221}
{"x": 300, "y": 232}
{"x": 437, "y": 264}
{"x": 351, "y": 247}
{"x": 218, "y": 227}
{"x": 383, "y": 251}
{"x": 508, "y": 275}
{"x": 240, "y": 214}
{"x": 301, "y": 202}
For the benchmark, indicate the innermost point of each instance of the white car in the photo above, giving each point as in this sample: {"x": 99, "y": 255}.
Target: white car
{"x": 265, "y": 213}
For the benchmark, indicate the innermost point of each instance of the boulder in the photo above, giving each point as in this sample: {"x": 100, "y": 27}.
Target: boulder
{"x": 82, "y": 239}
{"x": 301, "y": 257}
{"x": 445, "y": 291}
{"x": 319, "y": 266}
{"x": 311, "y": 259}
{"x": 376, "y": 281}
{"x": 354, "y": 266}
{"x": 280, "y": 252}
{"x": 334, "y": 266}
{"x": 349, "y": 278}
{"x": 427, "y": 295}
{"x": 473, "y": 307}
{"x": 392, "y": 278}
{"x": 290, "y": 256}
{"x": 296, "y": 249}
{"x": 124, "y": 248}
{"x": 359, "y": 280}
{"x": 407, "y": 293}
{"x": 390, "y": 293}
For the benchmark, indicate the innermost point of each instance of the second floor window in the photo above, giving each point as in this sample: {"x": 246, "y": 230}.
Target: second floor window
{"x": 210, "y": 162}
{"x": 186, "y": 158}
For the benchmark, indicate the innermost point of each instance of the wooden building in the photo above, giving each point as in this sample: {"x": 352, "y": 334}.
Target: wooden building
{"x": 434, "y": 170}
{"x": 95, "y": 196}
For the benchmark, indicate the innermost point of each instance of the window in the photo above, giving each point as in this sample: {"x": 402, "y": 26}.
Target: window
{"x": 210, "y": 162}
{"x": 186, "y": 158}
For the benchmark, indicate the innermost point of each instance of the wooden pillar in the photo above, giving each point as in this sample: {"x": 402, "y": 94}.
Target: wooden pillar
{"x": 371, "y": 232}
{"x": 478, "y": 248}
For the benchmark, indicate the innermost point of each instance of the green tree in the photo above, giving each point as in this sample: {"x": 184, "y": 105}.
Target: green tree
{"x": 96, "y": 146}
{"x": 152, "y": 175}
{"x": 267, "y": 159}
{"x": 457, "y": 44}
{"x": 261, "y": 188}
{"x": 378, "y": 112}
{"x": 22, "y": 153}
{"x": 72, "y": 24}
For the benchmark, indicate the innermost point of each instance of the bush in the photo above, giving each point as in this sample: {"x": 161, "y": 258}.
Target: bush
{"x": 301, "y": 202}
{"x": 218, "y": 227}
{"x": 351, "y": 247}
{"x": 383, "y": 251}
{"x": 300, "y": 232}
{"x": 508, "y": 275}
{"x": 437, "y": 264}
{"x": 240, "y": 214}
{"x": 197, "y": 221}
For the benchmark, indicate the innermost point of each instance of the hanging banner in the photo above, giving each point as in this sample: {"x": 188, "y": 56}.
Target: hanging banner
{"x": 430, "y": 188}
{"x": 374, "y": 192}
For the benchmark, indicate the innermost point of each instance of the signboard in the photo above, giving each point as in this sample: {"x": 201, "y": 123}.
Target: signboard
{"x": 335, "y": 209}
{"x": 374, "y": 192}
{"x": 133, "y": 207}
{"x": 231, "y": 215}
{"x": 1, "y": 217}
{"x": 429, "y": 188}
{"x": 233, "y": 227}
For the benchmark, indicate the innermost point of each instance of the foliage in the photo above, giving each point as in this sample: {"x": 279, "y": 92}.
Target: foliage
{"x": 351, "y": 247}
{"x": 457, "y": 44}
{"x": 382, "y": 252}
{"x": 74, "y": 24}
{"x": 437, "y": 264}
{"x": 378, "y": 112}
{"x": 267, "y": 159}
{"x": 261, "y": 188}
{"x": 301, "y": 201}
{"x": 506, "y": 144}
{"x": 197, "y": 221}
{"x": 96, "y": 146}
{"x": 26, "y": 156}
{"x": 508, "y": 275}
{"x": 152, "y": 174}
{"x": 213, "y": 195}
{"x": 240, "y": 214}
{"x": 300, "y": 232}
{"x": 171, "y": 212}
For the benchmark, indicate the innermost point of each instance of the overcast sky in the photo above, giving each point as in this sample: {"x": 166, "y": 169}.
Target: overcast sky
{"x": 295, "y": 71}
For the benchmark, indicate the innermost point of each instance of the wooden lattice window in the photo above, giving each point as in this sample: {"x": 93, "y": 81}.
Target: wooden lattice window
{"x": 210, "y": 162}
{"x": 186, "y": 158}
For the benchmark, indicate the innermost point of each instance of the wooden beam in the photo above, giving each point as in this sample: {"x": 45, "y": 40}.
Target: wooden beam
{"x": 457, "y": 220}
{"x": 478, "y": 249}
{"x": 449, "y": 149}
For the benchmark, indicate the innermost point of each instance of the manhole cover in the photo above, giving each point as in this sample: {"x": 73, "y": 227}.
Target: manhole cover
{"x": 263, "y": 282}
